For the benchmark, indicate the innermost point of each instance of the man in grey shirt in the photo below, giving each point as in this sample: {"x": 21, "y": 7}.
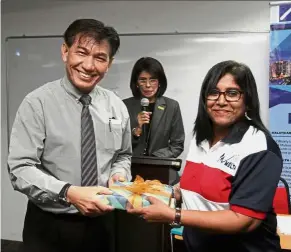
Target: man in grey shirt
{"x": 70, "y": 140}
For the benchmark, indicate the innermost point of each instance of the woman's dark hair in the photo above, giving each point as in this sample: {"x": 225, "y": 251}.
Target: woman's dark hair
{"x": 154, "y": 68}
{"x": 93, "y": 29}
{"x": 245, "y": 80}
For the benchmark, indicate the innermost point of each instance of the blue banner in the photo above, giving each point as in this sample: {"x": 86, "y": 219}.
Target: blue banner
{"x": 280, "y": 89}
{"x": 285, "y": 13}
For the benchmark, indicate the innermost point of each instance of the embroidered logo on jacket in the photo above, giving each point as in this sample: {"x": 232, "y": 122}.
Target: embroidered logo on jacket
{"x": 226, "y": 161}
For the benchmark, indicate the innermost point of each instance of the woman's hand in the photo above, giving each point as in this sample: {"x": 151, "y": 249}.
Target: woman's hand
{"x": 158, "y": 211}
{"x": 143, "y": 118}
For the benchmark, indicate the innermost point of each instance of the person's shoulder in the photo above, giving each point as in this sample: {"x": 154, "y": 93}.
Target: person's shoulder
{"x": 36, "y": 99}
{"x": 107, "y": 93}
{"x": 272, "y": 146}
{"x": 255, "y": 140}
{"x": 112, "y": 97}
{"x": 41, "y": 93}
{"x": 170, "y": 100}
{"x": 130, "y": 100}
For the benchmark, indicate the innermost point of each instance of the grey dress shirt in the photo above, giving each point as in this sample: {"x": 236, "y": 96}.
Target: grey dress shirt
{"x": 45, "y": 143}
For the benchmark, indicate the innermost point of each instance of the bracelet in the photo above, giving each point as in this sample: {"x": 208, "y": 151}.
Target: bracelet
{"x": 178, "y": 203}
{"x": 133, "y": 132}
{"x": 177, "y": 221}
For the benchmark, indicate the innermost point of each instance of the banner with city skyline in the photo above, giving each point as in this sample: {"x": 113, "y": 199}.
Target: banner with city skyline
{"x": 280, "y": 86}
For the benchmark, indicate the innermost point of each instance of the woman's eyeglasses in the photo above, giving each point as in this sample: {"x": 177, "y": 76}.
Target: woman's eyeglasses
{"x": 230, "y": 95}
{"x": 144, "y": 82}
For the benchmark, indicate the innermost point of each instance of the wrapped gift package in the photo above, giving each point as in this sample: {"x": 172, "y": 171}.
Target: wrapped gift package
{"x": 133, "y": 194}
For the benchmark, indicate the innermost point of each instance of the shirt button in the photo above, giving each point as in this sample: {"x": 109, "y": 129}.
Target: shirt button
{"x": 44, "y": 197}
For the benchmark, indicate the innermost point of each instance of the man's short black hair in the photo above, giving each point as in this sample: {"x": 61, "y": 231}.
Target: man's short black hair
{"x": 95, "y": 30}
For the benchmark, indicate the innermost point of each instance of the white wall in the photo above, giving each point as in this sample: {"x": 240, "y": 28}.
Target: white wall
{"x": 52, "y": 18}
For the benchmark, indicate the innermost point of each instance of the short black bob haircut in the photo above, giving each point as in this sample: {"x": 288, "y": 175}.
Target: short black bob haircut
{"x": 154, "y": 68}
{"x": 95, "y": 30}
{"x": 245, "y": 80}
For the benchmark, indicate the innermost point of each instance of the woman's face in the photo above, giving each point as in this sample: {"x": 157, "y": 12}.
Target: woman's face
{"x": 227, "y": 108}
{"x": 148, "y": 86}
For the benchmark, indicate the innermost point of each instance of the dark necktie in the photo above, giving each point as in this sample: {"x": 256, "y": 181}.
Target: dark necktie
{"x": 88, "y": 145}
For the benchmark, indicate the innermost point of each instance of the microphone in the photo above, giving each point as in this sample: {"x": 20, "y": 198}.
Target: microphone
{"x": 144, "y": 102}
{"x": 145, "y": 107}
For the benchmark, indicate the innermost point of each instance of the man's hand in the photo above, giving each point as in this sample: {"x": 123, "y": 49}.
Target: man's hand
{"x": 86, "y": 201}
{"x": 116, "y": 177}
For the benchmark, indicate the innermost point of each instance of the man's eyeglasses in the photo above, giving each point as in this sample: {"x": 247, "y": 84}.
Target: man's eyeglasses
{"x": 231, "y": 95}
{"x": 152, "y": 82}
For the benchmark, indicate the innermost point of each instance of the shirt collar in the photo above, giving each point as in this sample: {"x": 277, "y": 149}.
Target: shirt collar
{"x": 236, "y": 133}
{"x": 205, "y": 145}
{"x": 73, "y": 91}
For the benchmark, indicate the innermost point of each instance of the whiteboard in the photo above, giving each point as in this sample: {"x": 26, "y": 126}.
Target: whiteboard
{"x": 186, "y": 58}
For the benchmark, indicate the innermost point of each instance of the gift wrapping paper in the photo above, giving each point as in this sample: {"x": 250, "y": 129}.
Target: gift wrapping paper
{"x": 123, "y": 198}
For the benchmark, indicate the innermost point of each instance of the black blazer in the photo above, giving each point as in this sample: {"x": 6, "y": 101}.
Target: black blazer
{"x": 166, "y": 131}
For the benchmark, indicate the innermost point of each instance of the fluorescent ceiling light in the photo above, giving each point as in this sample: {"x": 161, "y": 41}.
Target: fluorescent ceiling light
{"x": 280, "y": 2}
{"x": 243, "y": 39}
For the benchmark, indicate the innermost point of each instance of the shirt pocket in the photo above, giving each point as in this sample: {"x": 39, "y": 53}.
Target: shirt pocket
{"x": 113, "y": 135}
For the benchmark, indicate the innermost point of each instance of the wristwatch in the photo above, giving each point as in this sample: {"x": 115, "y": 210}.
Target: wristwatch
{"x": 177, "y": 221}
{"x": 133, "y": 132}
{"x": 63, "y": 195}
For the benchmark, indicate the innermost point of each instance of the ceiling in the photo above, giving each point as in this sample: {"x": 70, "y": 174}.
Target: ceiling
{"x": 8, "y": 6}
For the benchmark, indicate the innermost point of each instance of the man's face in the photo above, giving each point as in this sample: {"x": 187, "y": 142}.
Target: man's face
{"x": 87, "y": 61}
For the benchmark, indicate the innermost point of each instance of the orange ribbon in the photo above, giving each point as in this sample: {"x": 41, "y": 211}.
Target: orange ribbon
{"x": 140, "y": 187}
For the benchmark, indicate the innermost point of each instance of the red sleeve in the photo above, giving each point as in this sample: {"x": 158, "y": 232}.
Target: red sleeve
{"x": 248, "y": 212}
